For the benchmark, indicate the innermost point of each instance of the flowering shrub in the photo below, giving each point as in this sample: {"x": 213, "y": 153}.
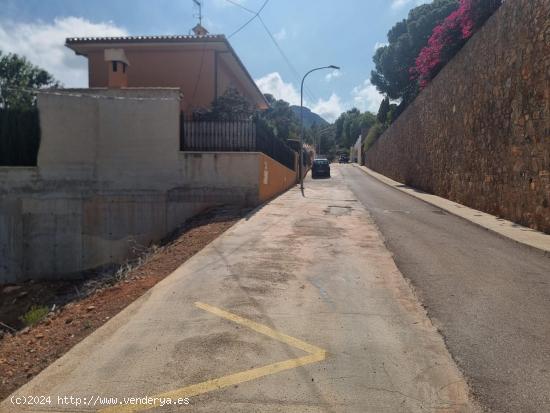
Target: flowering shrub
{"x": 448, "y": 37}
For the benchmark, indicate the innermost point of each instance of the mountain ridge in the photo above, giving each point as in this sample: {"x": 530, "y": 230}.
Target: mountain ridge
{"x": 310, "y": 117}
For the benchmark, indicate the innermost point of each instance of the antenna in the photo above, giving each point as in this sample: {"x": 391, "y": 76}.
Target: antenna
{"x": 199, "y": 5}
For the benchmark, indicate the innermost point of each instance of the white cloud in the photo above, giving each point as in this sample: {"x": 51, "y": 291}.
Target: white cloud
{"x": 378, "y": 45}
{"x": 274, "y": 84}
{"x": 333, "y": 75}
{"x": 281, "y": 34}
{"x": 44, "y": 45}
{"x": 366, "y": 97}
{"x": 398, "y": 4}
{"x": 329, "y": 109}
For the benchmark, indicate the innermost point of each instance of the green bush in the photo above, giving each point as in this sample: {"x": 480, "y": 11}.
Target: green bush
{"x": 374, "y": 133}
{"x": 34, "y": 315}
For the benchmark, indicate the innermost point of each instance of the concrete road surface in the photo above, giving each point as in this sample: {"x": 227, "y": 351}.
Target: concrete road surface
{"x": 489, "y": 296}
{"x": 298, "y": 308}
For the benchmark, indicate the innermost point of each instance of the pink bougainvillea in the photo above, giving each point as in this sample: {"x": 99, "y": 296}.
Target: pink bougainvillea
{"x": 448, "y": 37}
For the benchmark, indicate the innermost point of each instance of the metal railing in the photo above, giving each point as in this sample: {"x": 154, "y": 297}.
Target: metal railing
{"x": 233, "y": 136}
{"x": 19, "y": 137}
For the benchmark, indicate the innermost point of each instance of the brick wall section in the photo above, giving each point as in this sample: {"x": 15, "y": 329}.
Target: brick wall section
{"x": 480, "y": 133}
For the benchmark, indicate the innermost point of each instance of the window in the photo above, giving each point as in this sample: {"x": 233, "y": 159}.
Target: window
{"x": 114, "y": 66}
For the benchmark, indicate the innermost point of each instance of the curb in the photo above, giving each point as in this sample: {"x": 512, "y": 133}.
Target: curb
{"x": 507, "y": 229}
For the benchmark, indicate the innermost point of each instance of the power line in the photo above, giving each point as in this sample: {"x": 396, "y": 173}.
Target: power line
{"x": 287, "y": 60}
{"x": 234, "y": 3}
{"x": 284, "y": 56}
{"x": 257, "y": 14}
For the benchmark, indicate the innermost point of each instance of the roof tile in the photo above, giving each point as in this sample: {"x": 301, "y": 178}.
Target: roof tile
{"x": 170, "y": 38}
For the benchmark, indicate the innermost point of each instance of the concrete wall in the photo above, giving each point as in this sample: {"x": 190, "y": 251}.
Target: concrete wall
{"x": 480, "y": 133}
{"x": 128, "y": 142}
{"x": 110, "y": 180}
{"x": 58, "y": 233}
{"x": 107, "y": 184}
{"x": 228, "y": 177}
{"x": 274, "y": 177}
{"x": 252, "y": 177}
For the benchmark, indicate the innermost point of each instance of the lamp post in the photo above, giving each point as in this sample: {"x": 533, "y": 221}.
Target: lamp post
{"x": 301, "y": 168}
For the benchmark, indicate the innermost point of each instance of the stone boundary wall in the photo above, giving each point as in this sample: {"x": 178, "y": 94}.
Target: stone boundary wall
{"x": 479, "y": 134}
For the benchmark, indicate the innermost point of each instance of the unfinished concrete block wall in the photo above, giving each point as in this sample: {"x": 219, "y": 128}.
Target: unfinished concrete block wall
{"x": 246, "y": 178}
{"x": 123, "y": 138}
{"x": 111, "y": 180}
{"x": 107, "y": 184}
{"x": 479, "y": 134}
{"x": 229, "y": 177}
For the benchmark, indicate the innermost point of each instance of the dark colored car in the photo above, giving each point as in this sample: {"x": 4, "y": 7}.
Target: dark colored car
{"x": 343, "y": 159}
{"x": 320, "y": 167}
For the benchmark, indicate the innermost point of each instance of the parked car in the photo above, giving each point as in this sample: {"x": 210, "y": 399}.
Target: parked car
{"x": 320, "y": 167}
{"x": 343, "y": 159}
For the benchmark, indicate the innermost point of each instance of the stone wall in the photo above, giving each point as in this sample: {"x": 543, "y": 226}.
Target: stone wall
{"x": 479, "y": 134}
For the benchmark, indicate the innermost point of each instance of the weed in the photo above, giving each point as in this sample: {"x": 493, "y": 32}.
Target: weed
{"x": 34, "y": 315}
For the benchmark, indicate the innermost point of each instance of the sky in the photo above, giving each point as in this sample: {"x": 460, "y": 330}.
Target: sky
{"x": 310, "y": 33}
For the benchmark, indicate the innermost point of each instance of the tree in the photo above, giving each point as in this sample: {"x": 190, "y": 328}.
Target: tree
{"x": 366, "y": 121}
{"x": 230, "y": 106}
{"x": 326, "y": 143}
{"x": 374, "y": 133}
{"x": 17, "y": 77}
{"x": 281, "y": 118}
{"x": 448, "y": 37}
{"x": 339, "y": 127}
{"x": 350, "y": 125}
{"x": 406, "y": 39}
{"x": 384, "y": 110}
{"x": 311, "y": 134}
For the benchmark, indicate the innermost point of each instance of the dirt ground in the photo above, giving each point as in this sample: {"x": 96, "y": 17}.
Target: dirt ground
{"x": 81, "y": 306}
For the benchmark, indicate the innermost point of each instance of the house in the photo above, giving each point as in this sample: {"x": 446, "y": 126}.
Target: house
{"x": 202, "y": 66}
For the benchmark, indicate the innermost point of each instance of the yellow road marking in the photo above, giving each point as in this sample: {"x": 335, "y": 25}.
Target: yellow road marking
{"x": 315, "y": 354}
{"x": 262, "y": 329}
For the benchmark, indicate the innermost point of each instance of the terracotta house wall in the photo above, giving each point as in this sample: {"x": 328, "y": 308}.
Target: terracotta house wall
{"x": 193, "y": 71}
{"x": 98, "y": 70}
{"x": 226, "y": 78}
{"x": 274, "y": 178}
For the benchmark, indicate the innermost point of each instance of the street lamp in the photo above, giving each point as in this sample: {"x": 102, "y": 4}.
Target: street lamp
{"x": 301, "y": 168}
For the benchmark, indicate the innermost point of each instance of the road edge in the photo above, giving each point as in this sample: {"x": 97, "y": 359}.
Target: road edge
{"x": 504, "y": 228}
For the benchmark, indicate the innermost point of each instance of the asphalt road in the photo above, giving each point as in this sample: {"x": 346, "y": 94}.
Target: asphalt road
{"x": 488, "y": 296}
{"x": 297, "y": 308}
